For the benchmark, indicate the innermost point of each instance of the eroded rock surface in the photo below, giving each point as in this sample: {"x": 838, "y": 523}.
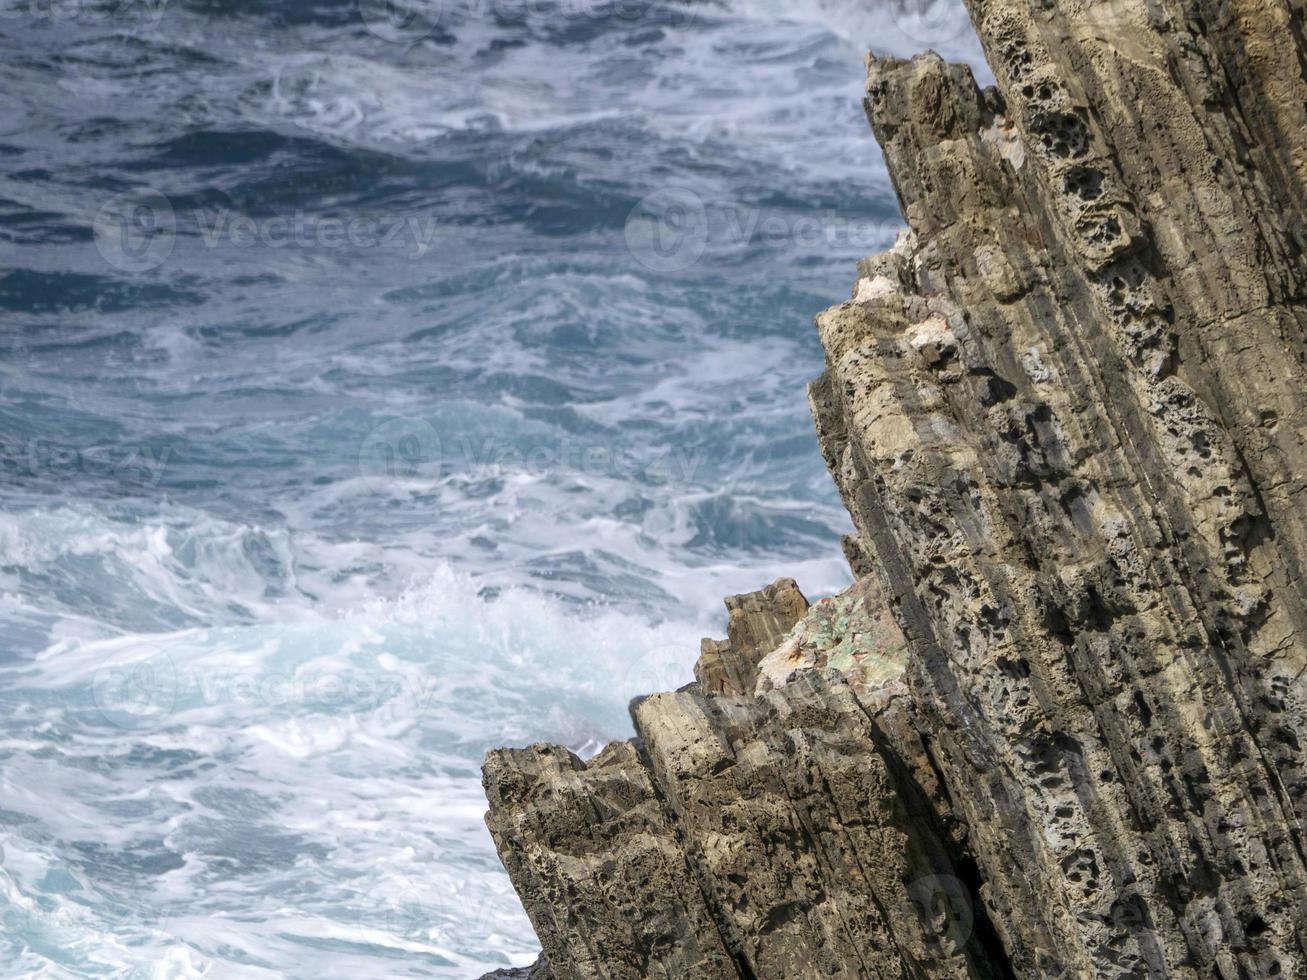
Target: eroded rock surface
{"x": 756, "y": 623}
{"x": 853, "y": 632}
{"x": 539, "y": 970}
{"x": 1056, "y": 729}
{"x": 795, "y": 832}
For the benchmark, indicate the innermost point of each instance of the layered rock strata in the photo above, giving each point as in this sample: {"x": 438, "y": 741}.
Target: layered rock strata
{"x": 1057, "y": 727}
{"x": 746, "y": 835}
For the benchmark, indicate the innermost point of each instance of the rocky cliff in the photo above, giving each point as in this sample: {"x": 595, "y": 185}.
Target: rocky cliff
{"x": 1056, "y": 729}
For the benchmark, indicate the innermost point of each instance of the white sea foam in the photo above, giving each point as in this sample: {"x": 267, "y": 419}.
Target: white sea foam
{"x": 333, "y": 752}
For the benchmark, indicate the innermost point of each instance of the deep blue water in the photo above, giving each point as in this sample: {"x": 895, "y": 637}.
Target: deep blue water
{"x": 380, "y": 386}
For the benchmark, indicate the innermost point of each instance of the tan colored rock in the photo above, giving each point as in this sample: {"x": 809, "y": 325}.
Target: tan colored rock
{"x": 818, "y": 851}
{"x": 1068, "y": 415}
{"x": 758, "y": 621}
{"x": 799, "y": 833}
{"x": 603, "y": 876}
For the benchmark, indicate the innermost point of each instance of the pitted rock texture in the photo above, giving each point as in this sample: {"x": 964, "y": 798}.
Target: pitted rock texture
{"x": 1067, "y": 413}
{"x": 797, "y": 833}
{"x": 600, "y": 866}
{"x": 539, "y": 970}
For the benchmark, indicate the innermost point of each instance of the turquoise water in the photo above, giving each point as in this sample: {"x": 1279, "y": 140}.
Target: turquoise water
{"x": 381, "y": 385}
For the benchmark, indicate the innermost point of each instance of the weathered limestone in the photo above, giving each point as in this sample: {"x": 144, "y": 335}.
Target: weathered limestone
{"x": 1068, "y": 414}
{"x": 604, "y": 879}
{"x": 793, "y": 832}
{"x": 757, "y": 623}
{"x": 853, "y": 633}
{"x": 539, "y": 970}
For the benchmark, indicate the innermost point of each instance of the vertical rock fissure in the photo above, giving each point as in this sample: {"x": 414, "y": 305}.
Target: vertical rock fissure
{"x": 734, "y": 946}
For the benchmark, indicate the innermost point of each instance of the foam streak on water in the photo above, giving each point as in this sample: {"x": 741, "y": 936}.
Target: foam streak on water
{"x": 379, "y": 385}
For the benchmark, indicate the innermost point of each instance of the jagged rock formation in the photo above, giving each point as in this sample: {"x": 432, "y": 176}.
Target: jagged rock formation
{"x": 756, "y": 624}
{"x": 537, "y": 971}
{"x": 1057, "y": 728}
{"x": 745, "y": 835}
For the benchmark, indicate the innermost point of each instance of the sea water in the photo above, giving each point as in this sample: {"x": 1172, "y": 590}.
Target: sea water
{"x": 381, "y": 385}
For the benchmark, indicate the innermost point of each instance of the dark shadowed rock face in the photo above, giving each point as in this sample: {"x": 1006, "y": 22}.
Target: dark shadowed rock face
{"x": 1057, "y": 727}
{"x": 537, "y": 971}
